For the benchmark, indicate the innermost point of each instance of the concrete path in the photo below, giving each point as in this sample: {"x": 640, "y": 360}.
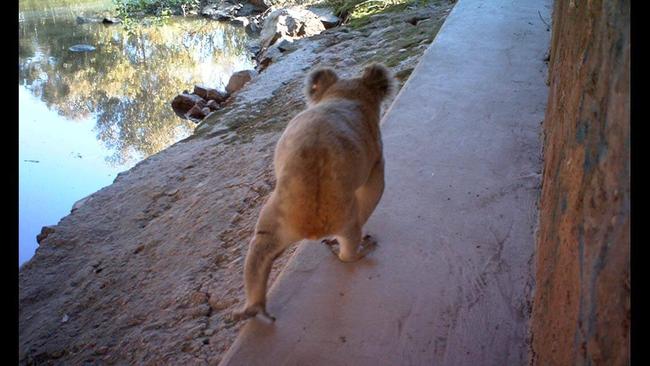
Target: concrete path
{"x": 451, "y": 280}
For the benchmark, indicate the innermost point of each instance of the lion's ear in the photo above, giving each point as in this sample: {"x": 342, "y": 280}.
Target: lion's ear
{"x": 378, "y": 79}
{"x": 318, "y": 81}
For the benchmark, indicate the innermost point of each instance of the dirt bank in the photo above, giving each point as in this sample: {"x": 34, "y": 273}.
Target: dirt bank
{"x": 147, "y": 270}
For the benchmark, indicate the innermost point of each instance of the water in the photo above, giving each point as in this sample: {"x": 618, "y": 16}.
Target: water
{"x": 85, "y": 117}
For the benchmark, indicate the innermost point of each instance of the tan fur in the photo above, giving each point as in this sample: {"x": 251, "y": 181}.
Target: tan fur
{"x": 330, "y": 175}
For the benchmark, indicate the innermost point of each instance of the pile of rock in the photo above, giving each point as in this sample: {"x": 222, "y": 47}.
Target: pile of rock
{"x": 239, "y": 79}
{"x": 283, "y": 26}
{"x": 255, "y": 15}
{"x": 277, "y": 28}
{"x": 203, "y": 100}
{"x": 237, "y": 13}
{"x": 197, "y": 105}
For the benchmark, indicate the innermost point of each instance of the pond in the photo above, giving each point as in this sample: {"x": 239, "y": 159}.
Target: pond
{"x": 86, "y": 116}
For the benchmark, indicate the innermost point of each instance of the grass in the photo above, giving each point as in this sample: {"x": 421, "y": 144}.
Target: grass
{"x": 357, "y": 13}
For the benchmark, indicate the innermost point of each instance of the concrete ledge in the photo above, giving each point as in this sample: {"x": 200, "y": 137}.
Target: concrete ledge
{"x": 451, "y": 280}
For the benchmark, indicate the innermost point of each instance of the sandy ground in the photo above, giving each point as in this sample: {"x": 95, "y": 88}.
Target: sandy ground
{"x": 147, "y": 270}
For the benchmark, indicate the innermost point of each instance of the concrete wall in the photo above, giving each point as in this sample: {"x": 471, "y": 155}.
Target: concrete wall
{"x": 581, "y": 312}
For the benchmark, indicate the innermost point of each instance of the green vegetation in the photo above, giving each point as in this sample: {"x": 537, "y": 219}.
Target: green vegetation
{"x": 128, "y": 82}
{"x": 397, "y": 44}
{"x": 357, "y": 13}
{"x": 130, "y": 9}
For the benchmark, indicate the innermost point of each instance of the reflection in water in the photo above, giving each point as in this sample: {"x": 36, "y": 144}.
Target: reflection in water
{"x": 129, "y": 81}
{"x": 122, "y": 90}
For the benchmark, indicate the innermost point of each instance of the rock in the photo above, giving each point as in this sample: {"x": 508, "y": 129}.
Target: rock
{"x": 217, "y": 304}
{"x": 206, "y": 111}
{"x": 79, "y": 203}
{"x": 249, "y": 9}
{"x": 196, "y": 112}
{"x": 253, "y": 47}
{"x": 201, "y": 91}
{"x": 217, "y": 96}
{"x": 326, "y": 17}
{"x": 82, "y": 48}
{"x": 84, "y": 20}
{"x": 264, "y": 4}
{"x": 198, "y": 298}
{"x": 223, "y": 16}
{"x": 292, "y": 23}
{"x": 269, "y": 56}
{"x": 212, "y": 104}
{"x": 171, "y": 192}
{"x": 416, "y": 19}
{"x": 209, "y": 114}
{"x": 239, "y": 21}
{"x": 45, "y": 232}
{"x": 223, "y": 11}
{"x": 273, "y": 53}
{"x": 263, "y": 64}
{"x": 209, "y": 93}
{"x": 209, "y": 10}
{"x": 198, "y": 311}
{"x": 184, "y": 102}
{"x": 284, "y": 45}
{"x": 254, "y": 26}
{"x": 239, "y": 79}
{"x": 109, "y": 21}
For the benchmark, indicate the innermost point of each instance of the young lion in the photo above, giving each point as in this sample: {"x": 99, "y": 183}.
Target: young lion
{"x": 330, "y": 176}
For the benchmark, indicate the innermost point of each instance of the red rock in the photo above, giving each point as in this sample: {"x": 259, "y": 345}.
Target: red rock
{"x": 198, "y": 298}
{"x": 239, "y": 79}
{"x": 217, "y": 96}
{"x": 212, "y": 104}
{"x": 195, "y": 112}
{"x": 201, "y": 91}
{"x": 217, "y": 303}
{"x": 182, "y": 103}
{"x": 290, "y": 23}
{"x": 45, "y": 232}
